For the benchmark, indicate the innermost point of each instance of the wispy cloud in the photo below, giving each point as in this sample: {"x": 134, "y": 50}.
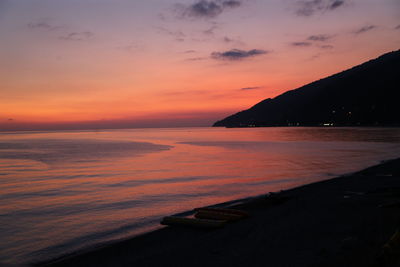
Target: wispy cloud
{"x": 43, "y": 25}
{"x": 397, "y": 27}
{"x": 326, "y": 46}
{"x": 228, "y": 40}
{"x": 250, "y": 88}
{"x": 308, "y": 8}
{"x": 237, "y": 54}
{"x": 319, "y": 38}
{"x": 205, "y": 8}
{"x": 235, "y": 41}
{"x": 177, "y": 35}
{"x": 60, "y": 32}
{"x": 335, "y": 4}
{"x": 210, "y": 31}
{"x": 231, "y": 3}
{"x": 77, "y": 36}
{"x": 195, "y": 59}
{"x": 131, "y": 48}
{"x": 301, "y": 44}
{"x": 364, "y": 29}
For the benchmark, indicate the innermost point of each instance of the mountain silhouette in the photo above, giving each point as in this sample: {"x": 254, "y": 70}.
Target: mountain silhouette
{"x": 365, "y": 95}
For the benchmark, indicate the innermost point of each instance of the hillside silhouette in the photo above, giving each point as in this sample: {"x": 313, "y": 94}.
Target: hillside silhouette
{"x": 365, "y": 95}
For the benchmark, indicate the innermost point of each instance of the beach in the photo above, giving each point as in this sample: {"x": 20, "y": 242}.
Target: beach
{"x": 200, "y": 133}
{"x": 345, "y": 221}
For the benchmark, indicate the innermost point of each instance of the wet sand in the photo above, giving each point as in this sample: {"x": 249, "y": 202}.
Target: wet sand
{"x": 345, "y": 221}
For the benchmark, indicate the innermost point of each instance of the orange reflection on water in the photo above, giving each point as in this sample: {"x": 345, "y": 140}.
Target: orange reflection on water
{"x": 60, "y": 191}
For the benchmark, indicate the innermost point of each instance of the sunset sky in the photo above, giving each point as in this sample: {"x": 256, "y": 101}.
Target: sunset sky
{"x": 157, "y": 63}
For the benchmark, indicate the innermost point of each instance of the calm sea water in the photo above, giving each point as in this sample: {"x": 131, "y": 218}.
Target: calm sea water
{"x": 64, "y": 191}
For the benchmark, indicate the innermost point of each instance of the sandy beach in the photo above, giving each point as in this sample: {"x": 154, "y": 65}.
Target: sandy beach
{"x": 346, "y": 221}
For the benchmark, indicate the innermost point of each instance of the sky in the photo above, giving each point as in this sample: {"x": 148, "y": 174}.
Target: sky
{"x": 75, "y": 64}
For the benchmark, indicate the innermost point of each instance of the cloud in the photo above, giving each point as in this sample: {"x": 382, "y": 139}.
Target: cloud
{"x": 326, "y": 46}
{"x": 77, "y": 36}
{"x": 301, "y": 44}
{"x": 250, "y": 88}
{"x": 211, "y": 29}
{"x": 205, "y": 8}
{"x": 237, "y": 54}
{"x": 131, "y": 48}
{"x": 177, "y": 35}
{"x": 228, "y": 40}
{"x": 232, "y": 41}
{"x": 43, "y": 25}
{"x": 308, "y": 8}
{"x": 195, "y": 59}
{"x": 315, "y": 40}
{"x": 60, "y": 32}
{"x": 397, "y": 27}
{"x": 364, "y": 29}
{"x": 319, "y": 38}
{"x": 231, "y": 4}
{"x": 335, "y": 4}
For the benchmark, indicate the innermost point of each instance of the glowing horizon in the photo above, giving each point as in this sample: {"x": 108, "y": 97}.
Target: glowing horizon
{"x": 174, "y": 63}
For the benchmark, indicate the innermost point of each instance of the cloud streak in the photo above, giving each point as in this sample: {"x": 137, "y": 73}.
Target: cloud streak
{"x": 196, "y": 59}
{"x": 301, "y": 44}
{"x": 62, "y": 32}
{"x": 237, "y": 54}
{"x": 250, "y": 88}
{"x": 177, "y": 35}
{"x": 131, "y": 47}
{"x": 335, "y": 4}
{"x": 77, "y": 36}
{"x": 326, "y": 46}
{"x": 364, "y": 29}
{"x": 43, "y": 26}
{"x": 307, "y": 8}
{"x": 234, "y": 41}
{"x": 205, "y": 9}
{"x": 210, "y": 31}
{"x": 319, "y": 38}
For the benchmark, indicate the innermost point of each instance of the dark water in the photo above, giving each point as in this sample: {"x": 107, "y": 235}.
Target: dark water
{"x": 64, "y": 191}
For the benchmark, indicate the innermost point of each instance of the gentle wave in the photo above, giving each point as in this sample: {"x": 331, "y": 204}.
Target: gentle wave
{"x": 65, "y": 191}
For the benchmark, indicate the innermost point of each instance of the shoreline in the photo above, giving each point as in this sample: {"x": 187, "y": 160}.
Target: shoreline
{"x": 274, "y": 229}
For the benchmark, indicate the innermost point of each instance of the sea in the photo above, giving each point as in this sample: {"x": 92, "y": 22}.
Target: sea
{"x": 62, "y": 192}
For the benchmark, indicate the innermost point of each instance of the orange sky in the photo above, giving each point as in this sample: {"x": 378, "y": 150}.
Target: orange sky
{"x": 120, "y": 63}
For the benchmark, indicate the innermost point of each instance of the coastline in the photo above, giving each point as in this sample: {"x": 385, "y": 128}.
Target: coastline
{"x": 343, "y": 221}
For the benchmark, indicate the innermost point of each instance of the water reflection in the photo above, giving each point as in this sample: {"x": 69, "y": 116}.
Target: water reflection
{"x": 61, "y": 191}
